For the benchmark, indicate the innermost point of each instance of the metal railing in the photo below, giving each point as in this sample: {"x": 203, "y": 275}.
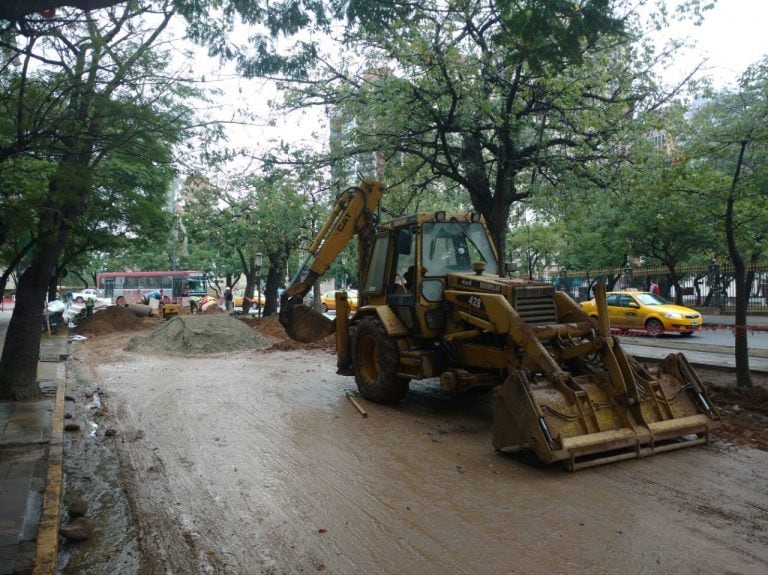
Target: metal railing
{"x": 709, "y": 286}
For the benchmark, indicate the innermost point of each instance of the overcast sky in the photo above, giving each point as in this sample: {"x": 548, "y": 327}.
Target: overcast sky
{"x": 732, "y": 37}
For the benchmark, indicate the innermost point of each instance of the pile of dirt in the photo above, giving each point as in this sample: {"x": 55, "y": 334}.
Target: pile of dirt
{"x": 195, "y": 334}
{"x": 109, "y": 320}
{"x": 744, "y": 414}
{"x": 270, "y": 328}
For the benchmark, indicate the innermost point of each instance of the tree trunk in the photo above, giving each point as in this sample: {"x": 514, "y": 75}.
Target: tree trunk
{"x": 66, "y": 198}
{"x": 497, "y": 220}
{"x": 18, "y": 365}
{"x": 14, "y": 10}
{"x": 249, "y": 292}
{"x": 276, "y": 265}
{"x": 743, "y": 376}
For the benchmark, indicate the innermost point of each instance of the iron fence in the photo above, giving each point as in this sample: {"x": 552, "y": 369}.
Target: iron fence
{"x": 710, "y": 286}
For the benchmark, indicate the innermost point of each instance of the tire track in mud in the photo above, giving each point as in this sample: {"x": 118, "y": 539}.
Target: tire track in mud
{"x": 259, "y": 464}
{"x": 725, "y": 513}
{"x": 190, "y": 483}
{"x": 168, "y": 545}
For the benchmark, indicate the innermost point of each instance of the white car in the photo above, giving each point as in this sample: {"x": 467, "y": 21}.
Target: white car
{"x": 81, "y": 296}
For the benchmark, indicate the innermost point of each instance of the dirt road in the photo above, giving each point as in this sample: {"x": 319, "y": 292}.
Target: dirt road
{"x": 254, "y": 462}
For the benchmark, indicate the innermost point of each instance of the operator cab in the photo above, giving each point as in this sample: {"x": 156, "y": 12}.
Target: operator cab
{"x": 412, "y": 256}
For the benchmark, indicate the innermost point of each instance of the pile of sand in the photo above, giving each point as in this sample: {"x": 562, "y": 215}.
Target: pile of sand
{"x": 193, "y": 334}
{"x": 270, "y": 327}
{"x": 108, "y": 320}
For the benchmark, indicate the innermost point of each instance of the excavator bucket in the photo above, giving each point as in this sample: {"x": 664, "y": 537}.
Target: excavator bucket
{"x": 303, "y": 323}
{"x": 600, "y": 407}
{"x": 586, "y": 421}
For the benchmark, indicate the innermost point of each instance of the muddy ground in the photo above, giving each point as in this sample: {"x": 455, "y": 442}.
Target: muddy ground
{"x": 253, "y": 461}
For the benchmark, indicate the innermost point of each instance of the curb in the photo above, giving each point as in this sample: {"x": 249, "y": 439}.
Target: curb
{"x": 630, "y": 332}
{"x": 46, "y": 551}
{"x": 47, "y": 542}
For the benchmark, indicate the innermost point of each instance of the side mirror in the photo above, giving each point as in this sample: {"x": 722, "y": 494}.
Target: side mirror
{"x": 633, "y": 304}
{"x": 510, "y": 267}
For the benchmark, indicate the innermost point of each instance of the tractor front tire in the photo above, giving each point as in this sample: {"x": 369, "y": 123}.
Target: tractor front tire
{"x": 376, "y": 363}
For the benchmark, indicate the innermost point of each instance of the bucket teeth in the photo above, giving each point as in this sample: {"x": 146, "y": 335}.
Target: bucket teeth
{"x": 589, "y": 421}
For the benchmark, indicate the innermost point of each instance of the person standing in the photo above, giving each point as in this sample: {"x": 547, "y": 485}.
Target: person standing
{"x": 655, "y": 290}
{"x": 228, "y": 303}
{"x": 89, "y": 305}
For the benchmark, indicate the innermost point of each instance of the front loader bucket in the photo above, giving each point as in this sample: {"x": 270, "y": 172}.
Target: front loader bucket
{"x": 624, "y": 412}
{"x": 303, "y": 323}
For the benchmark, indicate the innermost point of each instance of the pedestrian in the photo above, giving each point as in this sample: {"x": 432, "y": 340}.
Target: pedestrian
{"x": 89, "y": 303}
{"x": 153, "y": 295}
{"x": 228, "y": 303}
{"x": 655, "y": 290}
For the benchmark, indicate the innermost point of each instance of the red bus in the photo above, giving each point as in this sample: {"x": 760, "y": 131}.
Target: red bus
{"x": 131, "y": 287}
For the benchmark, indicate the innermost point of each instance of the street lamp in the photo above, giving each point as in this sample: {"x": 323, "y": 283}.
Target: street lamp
{"x": 259, "y": 260}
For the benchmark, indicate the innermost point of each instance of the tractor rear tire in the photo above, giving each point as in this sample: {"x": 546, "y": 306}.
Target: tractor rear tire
{"x": 376, "y": 363}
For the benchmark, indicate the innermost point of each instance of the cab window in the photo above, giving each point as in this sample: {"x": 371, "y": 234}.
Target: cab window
{"x": 625, "y": 300}
{"x": 374, "y": 282}
{"x": 454, "y": 246}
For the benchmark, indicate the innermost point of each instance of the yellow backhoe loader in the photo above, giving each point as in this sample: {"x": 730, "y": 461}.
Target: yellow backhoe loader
{"x": 435, "y": 302}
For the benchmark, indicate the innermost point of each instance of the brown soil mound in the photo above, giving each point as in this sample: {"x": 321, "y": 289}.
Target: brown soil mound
{"x": 195, "y": 334}
{"x": 111, "y": 319}
{"x": 744, "y": 414}
{"x": 270, "y": 328}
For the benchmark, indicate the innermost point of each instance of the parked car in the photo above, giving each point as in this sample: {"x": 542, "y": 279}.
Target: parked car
{"x": 81, "y": 296}
{"x": 647, "y": 311}
{"x": 328, "y": 300}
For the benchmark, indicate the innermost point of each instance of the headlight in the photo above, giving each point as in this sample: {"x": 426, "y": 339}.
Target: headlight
{"x": 670, "y": 315}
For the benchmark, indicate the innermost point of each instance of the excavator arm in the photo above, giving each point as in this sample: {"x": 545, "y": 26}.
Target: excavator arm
{"x": 352, "y": 214}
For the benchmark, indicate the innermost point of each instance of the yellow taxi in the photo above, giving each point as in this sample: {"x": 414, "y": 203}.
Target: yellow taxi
{"x": 328, "y": 300}
{"x": 648, "y": 312}
{"x": 237, "y": 298}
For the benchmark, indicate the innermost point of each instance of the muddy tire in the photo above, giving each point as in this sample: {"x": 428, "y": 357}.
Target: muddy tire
{"x": 376, "y": 362}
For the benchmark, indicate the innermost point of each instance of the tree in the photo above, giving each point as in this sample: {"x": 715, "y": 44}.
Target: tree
{"x": 491, "y": 96}
{"x": 97, "y": 73}
{"x": 729, "y": 138}
{"x": 280, "y": 213}
{"x": 258, "y": 213}
{"x": 534, "y": 242}
{"x": 20, "y": 11}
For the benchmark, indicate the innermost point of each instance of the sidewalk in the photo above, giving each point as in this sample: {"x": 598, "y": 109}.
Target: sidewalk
{"x": 31, "y": 468}
{"x": 754, "y": 322}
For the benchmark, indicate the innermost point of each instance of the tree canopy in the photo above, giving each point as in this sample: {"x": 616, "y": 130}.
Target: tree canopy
{"x": 97, "y": 121}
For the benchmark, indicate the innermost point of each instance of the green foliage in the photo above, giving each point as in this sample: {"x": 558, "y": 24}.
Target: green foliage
{"x": 728, "y": 140}
{"x": 534, "y": 245}
{"x": 487, "y": 97}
